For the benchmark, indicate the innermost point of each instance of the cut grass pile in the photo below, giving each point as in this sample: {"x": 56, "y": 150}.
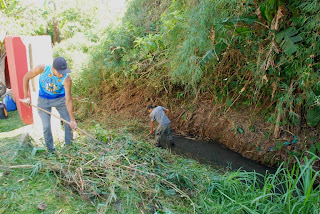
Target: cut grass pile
{"x": 128, "y": 175}
{"x": 22, "y": 191}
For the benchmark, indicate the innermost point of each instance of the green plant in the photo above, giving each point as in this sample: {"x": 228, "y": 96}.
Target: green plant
{"x": 151, "y": 43}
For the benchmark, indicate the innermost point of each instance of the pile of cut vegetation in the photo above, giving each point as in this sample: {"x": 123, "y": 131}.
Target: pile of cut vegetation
{"x": 133, "y": 176}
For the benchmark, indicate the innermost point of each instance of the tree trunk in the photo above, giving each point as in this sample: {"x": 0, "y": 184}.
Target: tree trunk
{"x": 55, "y": 31}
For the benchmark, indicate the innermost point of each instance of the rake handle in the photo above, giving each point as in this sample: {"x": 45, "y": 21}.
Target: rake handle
{"x": 84, "y": 132}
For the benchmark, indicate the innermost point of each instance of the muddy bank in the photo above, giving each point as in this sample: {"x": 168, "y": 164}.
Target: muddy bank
{"x": 238, "y": 130}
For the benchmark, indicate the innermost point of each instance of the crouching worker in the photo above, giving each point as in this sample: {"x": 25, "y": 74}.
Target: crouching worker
{"x": 54, "y": 91}
{"x": 159, "y": 114}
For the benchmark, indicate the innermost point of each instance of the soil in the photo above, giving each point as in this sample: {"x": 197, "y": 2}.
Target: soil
{"x": 239, "y": 130}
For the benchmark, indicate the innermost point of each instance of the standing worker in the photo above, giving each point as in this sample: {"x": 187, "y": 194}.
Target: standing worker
{"x": 54, "y": 91}
{"x": 159, "y": 114}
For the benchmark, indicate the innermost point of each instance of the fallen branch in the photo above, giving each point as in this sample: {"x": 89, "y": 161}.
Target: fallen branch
{"x": 17, "y": 167}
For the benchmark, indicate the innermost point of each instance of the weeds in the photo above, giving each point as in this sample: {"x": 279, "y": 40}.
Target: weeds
{"x": 127, "y": 175}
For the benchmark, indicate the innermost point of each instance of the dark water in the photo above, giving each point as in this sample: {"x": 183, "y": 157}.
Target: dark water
{"x": 215, "y": 154}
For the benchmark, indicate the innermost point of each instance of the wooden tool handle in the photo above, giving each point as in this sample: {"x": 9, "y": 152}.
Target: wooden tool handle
{"x": 93, "y": 138}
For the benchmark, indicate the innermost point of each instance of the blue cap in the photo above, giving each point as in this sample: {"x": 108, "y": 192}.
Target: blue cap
{"x": 60, "y": 65}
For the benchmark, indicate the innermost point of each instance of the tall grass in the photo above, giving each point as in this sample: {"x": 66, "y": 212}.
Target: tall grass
{"x": 295, "y": 189}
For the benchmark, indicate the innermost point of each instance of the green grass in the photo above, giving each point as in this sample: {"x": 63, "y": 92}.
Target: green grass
{"x": 127, "y": 174}
{"x": 22, "y": 190}
{"x": 21, "y": 193}
{"x": 8, "y": 146}
{"x": 12, "y": 122}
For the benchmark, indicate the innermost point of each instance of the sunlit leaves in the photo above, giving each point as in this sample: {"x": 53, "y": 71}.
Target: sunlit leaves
{"x": 150, "y": 43}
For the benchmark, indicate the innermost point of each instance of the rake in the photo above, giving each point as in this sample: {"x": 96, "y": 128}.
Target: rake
{"x": 81, "y": 130}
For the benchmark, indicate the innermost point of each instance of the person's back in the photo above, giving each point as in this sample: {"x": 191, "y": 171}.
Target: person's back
{"x": 160, "y": 116}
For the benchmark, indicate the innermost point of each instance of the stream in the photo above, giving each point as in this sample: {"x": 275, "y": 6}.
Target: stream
{"x": 214, "y": 153}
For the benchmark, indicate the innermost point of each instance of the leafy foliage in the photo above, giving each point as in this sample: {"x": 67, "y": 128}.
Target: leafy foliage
{"x": 240, "y": 52}
{"x": 262, "y": 54}
{"x": 288, "y": 38}
{"x": 20, "y": 18}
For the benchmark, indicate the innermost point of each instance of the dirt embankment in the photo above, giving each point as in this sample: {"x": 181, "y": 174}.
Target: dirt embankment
{"x": 238, "y": 130}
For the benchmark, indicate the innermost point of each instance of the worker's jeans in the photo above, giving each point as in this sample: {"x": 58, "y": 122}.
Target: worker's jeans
{"x": 60, "y": 105}
{"x": 164, "y": 130}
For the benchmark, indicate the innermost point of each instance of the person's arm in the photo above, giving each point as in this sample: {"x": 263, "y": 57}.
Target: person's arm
{"x": 166, "y": 111}
{"x": 69, "y": 103}
{"x": 29, "y": 75}
{"x": 151, "y": 127}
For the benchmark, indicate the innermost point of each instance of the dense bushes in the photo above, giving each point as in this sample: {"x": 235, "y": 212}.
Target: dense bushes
{"x": 263, "y": 54}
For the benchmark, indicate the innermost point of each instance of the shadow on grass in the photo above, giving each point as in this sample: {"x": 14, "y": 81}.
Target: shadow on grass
{"x": 12, "y": 122}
